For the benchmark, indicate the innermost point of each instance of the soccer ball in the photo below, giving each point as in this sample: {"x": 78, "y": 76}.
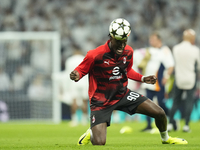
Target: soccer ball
{"x": 120, "y": 29}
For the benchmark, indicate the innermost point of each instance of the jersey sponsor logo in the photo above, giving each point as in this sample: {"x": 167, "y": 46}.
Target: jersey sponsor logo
{"x": 116, "y": 73}
{"x": 115, "y": 77}
{"x": 106, "y": 62}
{"x": 133, "y": 96}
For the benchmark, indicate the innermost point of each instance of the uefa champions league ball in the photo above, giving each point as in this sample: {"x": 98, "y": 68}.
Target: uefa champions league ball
{"x": 120, "y": 29}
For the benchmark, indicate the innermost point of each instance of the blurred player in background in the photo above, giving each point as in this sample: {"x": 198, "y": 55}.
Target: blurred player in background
{"x": 73, "y": 94}
{"x": 187, "y": 60}
{"x": 156, "y": 59}
{"x": 78, "y": 91}
{"x": 109, "y": 66}
{"x": 4, "y": 112}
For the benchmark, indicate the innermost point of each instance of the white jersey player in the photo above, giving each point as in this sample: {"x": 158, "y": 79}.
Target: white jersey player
{"x": 155, "y": 60}
{"x": 78, "y": 92}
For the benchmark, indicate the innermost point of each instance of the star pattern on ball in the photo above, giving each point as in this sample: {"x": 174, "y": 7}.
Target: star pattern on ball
{"x": 114, "y": 32}
{"x": 120, "y": 29}
{"x": 124, "y": 35}
{"x": 122, "y": 25}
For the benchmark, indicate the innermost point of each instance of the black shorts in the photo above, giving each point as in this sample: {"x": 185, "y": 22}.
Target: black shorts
{"x": 128, "y": 104}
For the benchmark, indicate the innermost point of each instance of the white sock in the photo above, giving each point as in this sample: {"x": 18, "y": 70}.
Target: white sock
{"x": 91, "y": 135}
{"x": 164, "y": 136}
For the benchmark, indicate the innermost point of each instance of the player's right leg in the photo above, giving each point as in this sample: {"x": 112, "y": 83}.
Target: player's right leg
{"x": 96, "y": 135}
{"x": 99, "y": 134}
{"x": 85, "y": 138}
{"x": 99, "y": 120}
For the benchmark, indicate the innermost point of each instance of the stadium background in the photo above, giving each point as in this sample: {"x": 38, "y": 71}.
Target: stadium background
{"x": 83, "y": 24}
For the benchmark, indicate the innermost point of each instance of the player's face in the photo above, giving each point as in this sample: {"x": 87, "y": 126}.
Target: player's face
{"x": 118, "y": 45}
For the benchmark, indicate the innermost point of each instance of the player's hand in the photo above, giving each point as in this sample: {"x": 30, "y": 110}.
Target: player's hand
{"x": 150, "y": 79}
{"x": 74, "y": 75}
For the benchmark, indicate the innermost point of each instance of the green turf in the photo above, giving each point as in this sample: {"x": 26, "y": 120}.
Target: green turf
{"x": 63, "y": 137}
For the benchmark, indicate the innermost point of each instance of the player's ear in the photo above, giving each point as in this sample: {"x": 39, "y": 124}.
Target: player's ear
{"x": 110, "y": 36}
{"x": 112, "y": 39}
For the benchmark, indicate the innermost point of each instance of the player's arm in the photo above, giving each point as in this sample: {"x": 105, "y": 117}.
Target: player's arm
{"x": 74, "y": 75}
{"x": 149, "y": 79}
{"x": 83, "y": 68}
{"x": 132, "y": 74}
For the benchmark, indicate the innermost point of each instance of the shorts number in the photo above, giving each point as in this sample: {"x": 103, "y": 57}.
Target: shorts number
{"x": 133, "y": 96}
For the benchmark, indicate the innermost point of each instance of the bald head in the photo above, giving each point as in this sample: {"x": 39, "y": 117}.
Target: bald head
{"x": 189, "y": 35}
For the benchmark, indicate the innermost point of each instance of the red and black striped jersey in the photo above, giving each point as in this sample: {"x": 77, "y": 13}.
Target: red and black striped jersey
{"x": 108, "y": 75}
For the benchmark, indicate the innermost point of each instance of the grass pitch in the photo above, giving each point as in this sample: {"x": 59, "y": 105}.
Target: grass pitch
{"x": 63, "y": 137}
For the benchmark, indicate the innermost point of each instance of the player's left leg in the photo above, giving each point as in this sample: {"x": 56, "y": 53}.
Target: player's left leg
{"x": 151, "y": 109}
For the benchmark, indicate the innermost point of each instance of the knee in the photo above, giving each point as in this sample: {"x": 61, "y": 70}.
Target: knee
{"x": 99, "y": 141}
{"x": 160, "y": 114}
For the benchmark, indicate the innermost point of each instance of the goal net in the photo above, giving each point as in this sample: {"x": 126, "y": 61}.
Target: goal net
{"x": 27, "y": 91}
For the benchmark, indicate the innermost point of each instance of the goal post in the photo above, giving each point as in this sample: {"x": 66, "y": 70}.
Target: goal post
{"x": 28, "y": 60}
